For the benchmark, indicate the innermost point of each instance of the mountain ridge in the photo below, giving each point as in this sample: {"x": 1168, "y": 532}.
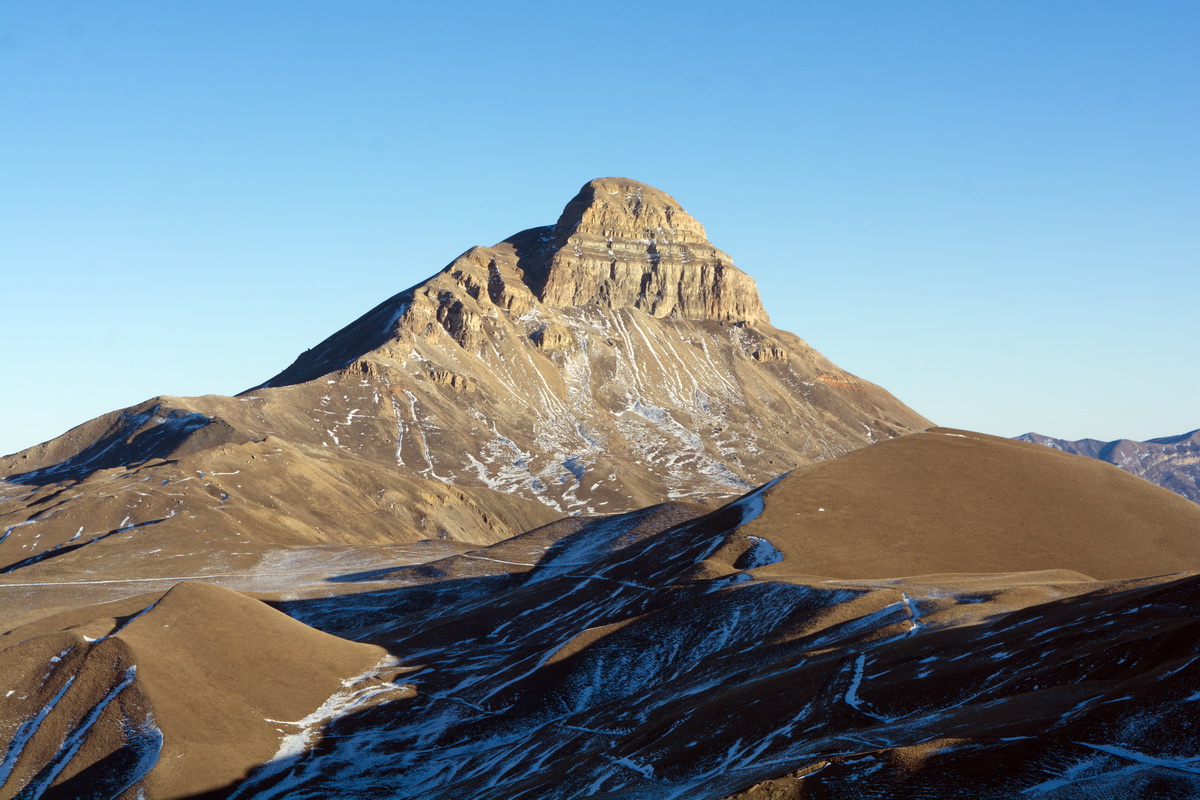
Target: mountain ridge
{"x": 397, "y": 568}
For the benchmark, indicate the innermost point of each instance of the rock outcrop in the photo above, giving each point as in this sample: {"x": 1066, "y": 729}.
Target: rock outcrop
{"x": 623, "y": 244}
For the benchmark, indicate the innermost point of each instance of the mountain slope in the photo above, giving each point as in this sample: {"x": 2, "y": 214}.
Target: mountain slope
{"x": 678, "y": 653}
{"x": 169, "y": 696}
{"x": 1172, "y": 462}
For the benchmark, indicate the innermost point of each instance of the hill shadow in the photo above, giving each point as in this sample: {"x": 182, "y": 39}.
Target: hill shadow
{"x": 447, "y": 632}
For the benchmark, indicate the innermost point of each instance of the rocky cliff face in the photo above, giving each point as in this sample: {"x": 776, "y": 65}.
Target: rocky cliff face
{"x": 622, "y": 244}
{"x": 1172, "y": 462}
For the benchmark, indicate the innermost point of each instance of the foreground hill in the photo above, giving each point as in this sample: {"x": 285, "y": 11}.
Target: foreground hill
{"x": 753, "y": 651}
{"x": 1172, "y": 462}
{"x": 958, "y": 501}
{"x": 166, "y": 696}
{"x": 606, "y": 362}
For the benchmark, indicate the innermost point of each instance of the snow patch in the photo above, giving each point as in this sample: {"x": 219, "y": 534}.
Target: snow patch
{"x": 761, "y": 554}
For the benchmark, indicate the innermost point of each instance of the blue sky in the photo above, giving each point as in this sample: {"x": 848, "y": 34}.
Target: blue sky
{"x": 989, "y": 208}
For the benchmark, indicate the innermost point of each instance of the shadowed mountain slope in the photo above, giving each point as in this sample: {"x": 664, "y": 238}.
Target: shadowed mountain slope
{"x": 673, "y": 653}
{"x": 1172, "y": 462}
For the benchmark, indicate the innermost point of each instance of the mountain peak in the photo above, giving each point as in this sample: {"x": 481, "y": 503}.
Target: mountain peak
{"x": 623, "y": 206}
{"x": 620, "y": 243}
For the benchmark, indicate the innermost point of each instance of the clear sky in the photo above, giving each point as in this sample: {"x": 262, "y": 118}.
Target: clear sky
{"x": 990, "y": 208}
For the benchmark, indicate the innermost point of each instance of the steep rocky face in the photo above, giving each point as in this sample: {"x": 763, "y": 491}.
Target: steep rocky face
{"x": 623, "y": 244}
{"x": 1172, "y": 462}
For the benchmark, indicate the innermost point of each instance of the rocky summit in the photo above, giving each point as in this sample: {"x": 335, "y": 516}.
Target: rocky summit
{"x": 622, "y": 244}
{"x": 572, "y": 519}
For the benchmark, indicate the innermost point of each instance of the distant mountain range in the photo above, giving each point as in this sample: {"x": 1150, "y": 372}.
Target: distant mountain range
{"x": 571, "y": 519}
{"x": 1172, "y": 462}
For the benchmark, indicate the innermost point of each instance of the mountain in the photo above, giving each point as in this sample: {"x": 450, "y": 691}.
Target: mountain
{"x": 753, "y": 651}
{"x": 601, "y": 364}
{"x": 1172, "y": 462}
{"x": 571, "y": 519}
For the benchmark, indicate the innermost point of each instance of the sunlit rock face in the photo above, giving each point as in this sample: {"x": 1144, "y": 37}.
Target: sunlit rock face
{"x": 623, "y": 244}
{"x": 609, "y": 361}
